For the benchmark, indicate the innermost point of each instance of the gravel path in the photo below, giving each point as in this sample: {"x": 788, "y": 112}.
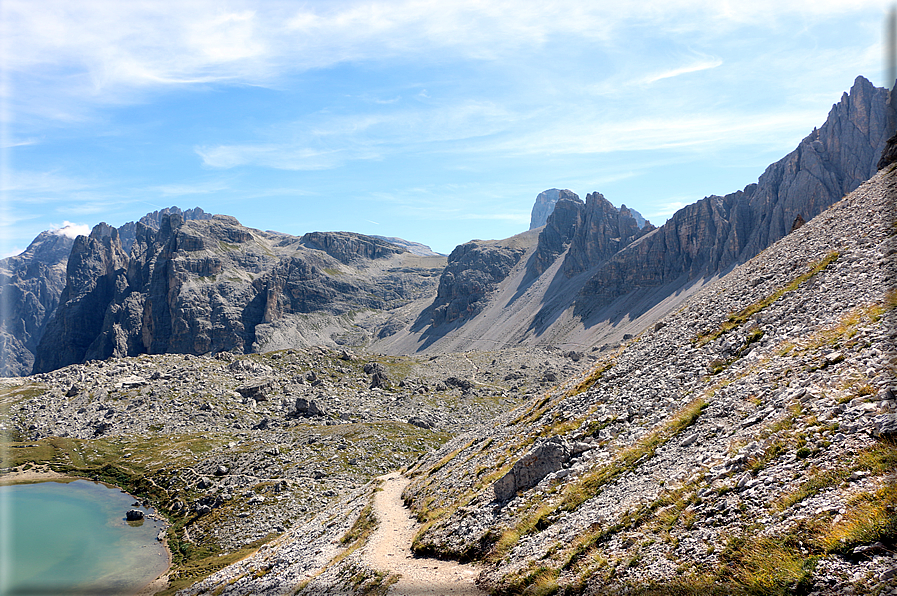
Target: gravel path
{"x": 390, "y": 548}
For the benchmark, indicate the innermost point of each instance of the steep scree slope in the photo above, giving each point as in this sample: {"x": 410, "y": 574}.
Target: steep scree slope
{"x": 746, "y": 442}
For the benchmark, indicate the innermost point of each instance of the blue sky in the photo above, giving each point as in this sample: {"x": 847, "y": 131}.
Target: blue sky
{"x": 436, "y": 121}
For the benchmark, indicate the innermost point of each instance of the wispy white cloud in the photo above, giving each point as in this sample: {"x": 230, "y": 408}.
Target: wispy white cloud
{"x": 704, "y": 64}
{"x": 70, "y": 230}
{"x": 199, "y": 188}
{"x": 278, "y": 156}
{"x": 106, "y": 50}
{"x": 26, "y": 181}
{"x": 518, "y": 217}
{"x": 11, "y": 252}
{"x": 328, "y": 141}
{"x": 666, "y": 210}
{"x": 20, "y": 143}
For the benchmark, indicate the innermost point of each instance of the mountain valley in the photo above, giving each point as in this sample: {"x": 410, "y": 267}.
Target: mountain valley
{"x": 596, "y": 405}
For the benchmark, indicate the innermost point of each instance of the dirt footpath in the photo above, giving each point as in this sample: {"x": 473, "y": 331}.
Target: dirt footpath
{"x": 390, "y": 548}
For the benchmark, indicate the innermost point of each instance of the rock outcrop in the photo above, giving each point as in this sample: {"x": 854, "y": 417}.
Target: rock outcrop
{"x": 708, "y": 237}
{"x": 33, "y": 281}
{"x": 472, "y": 272}
{"x": 596, "y": 275}
{"x": 544, "y": 206}
{"x": 586, "y": 233}
{"x": 127, "y": 233}
{"x": 95, "y": 275}
{"x": 549, "y": 456}
{"x": 753, "y": 423}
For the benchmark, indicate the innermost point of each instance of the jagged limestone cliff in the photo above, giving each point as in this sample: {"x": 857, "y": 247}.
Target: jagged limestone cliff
{"x": 211, "y": 285}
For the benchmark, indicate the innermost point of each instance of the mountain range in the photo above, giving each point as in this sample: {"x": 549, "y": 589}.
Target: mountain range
{"x": 597, "y": 405}
{"x": 586, "y": 274}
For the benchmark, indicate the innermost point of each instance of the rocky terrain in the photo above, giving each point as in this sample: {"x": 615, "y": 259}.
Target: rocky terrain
{"x": 32, "y": 282}
{"x": 683, "y": 411}
{"x": 236, "y": 449}
{"x": 30, "y": 286}
{"x": 589, "y": 274}
{"x": 743, "y": 444}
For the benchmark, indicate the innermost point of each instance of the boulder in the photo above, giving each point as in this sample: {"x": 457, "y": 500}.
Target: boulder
{"x": 543, "y": 459}
{"x": 462, "y": 384}
{"x": 134, "y": 515}
{"x": 420, "y": 422}
{"x": 306, "y": 407}
{"x": 380, "y": 380}
{"x": 371, "y": 368}
{"x": 257, "y": 390}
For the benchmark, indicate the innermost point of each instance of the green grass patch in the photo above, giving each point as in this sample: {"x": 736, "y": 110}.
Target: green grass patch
{"x": 737, "y": 319}
{"x": 763, "y": 565}
{"x": 575, "y": 494}
{"x": 869, "y": 518}
{"x": 363, "y": 527}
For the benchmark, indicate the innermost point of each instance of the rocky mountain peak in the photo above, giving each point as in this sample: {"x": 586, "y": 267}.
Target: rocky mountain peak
{"x": 128, "y": 232}
{"x": 545, "y": 204}
{"x": 592, "y": 230}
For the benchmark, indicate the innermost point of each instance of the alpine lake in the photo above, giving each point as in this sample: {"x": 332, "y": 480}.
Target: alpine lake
{"x": 71, "y": 537}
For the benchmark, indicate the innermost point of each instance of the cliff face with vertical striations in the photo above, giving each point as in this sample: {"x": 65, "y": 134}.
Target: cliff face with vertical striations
{"x": 707, "y": 237}
{"x": 30, "y": 286}
{"x": 589, "y": 273}
{"x": 211, "y": 285}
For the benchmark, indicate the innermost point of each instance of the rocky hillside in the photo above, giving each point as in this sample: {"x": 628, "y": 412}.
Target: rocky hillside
{"x": 593, "y": 274}
{"x": 596, "y": 275}
{"x": 235, "y": 450}
{"x": 210, "y": 285}
{"x": 742, "y": 445}
{"x": 744, "y": 441}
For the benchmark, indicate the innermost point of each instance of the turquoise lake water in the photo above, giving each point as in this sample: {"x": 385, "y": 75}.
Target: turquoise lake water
{"x": 72, "y": 538}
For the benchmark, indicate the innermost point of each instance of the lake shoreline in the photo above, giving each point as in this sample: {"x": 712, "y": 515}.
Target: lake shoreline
{"x": 42, "y": 473}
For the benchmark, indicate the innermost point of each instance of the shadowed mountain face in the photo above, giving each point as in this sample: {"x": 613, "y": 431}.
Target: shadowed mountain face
{"x": 595, "y": 269}
{"x": 707, "y": 237}
{"x": 30, "y": 286}
{"x": 32, "y": 282}
{"x": 212, "y": 285}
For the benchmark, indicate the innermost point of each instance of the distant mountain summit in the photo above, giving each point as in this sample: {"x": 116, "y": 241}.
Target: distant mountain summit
{"x": 547, "y": 200}
{"x": 210, "y": 285}
{"x": 417, "y": 248}
{"x": 30, "y": 286}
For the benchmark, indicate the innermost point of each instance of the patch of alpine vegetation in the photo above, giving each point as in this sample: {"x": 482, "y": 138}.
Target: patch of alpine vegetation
{"x": 744, "y": 445}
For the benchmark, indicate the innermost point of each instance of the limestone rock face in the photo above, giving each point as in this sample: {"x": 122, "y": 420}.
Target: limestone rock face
{"x": 707, "y": 237}
{"x": 593, "y": 231}
{"x": 30, "y": 286}
{"x": 526, "y": 473}
{"x": 347, "y": 247}
{"x": 212, "y": 285}
{"x": 95, "y": 274}
{"x": 473, "y": 270}
{"x": 544, "y": 206}
{"x": 603, "y": 231}
{"x": 560, "y": 227}
{"x": 127, "y": 233}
